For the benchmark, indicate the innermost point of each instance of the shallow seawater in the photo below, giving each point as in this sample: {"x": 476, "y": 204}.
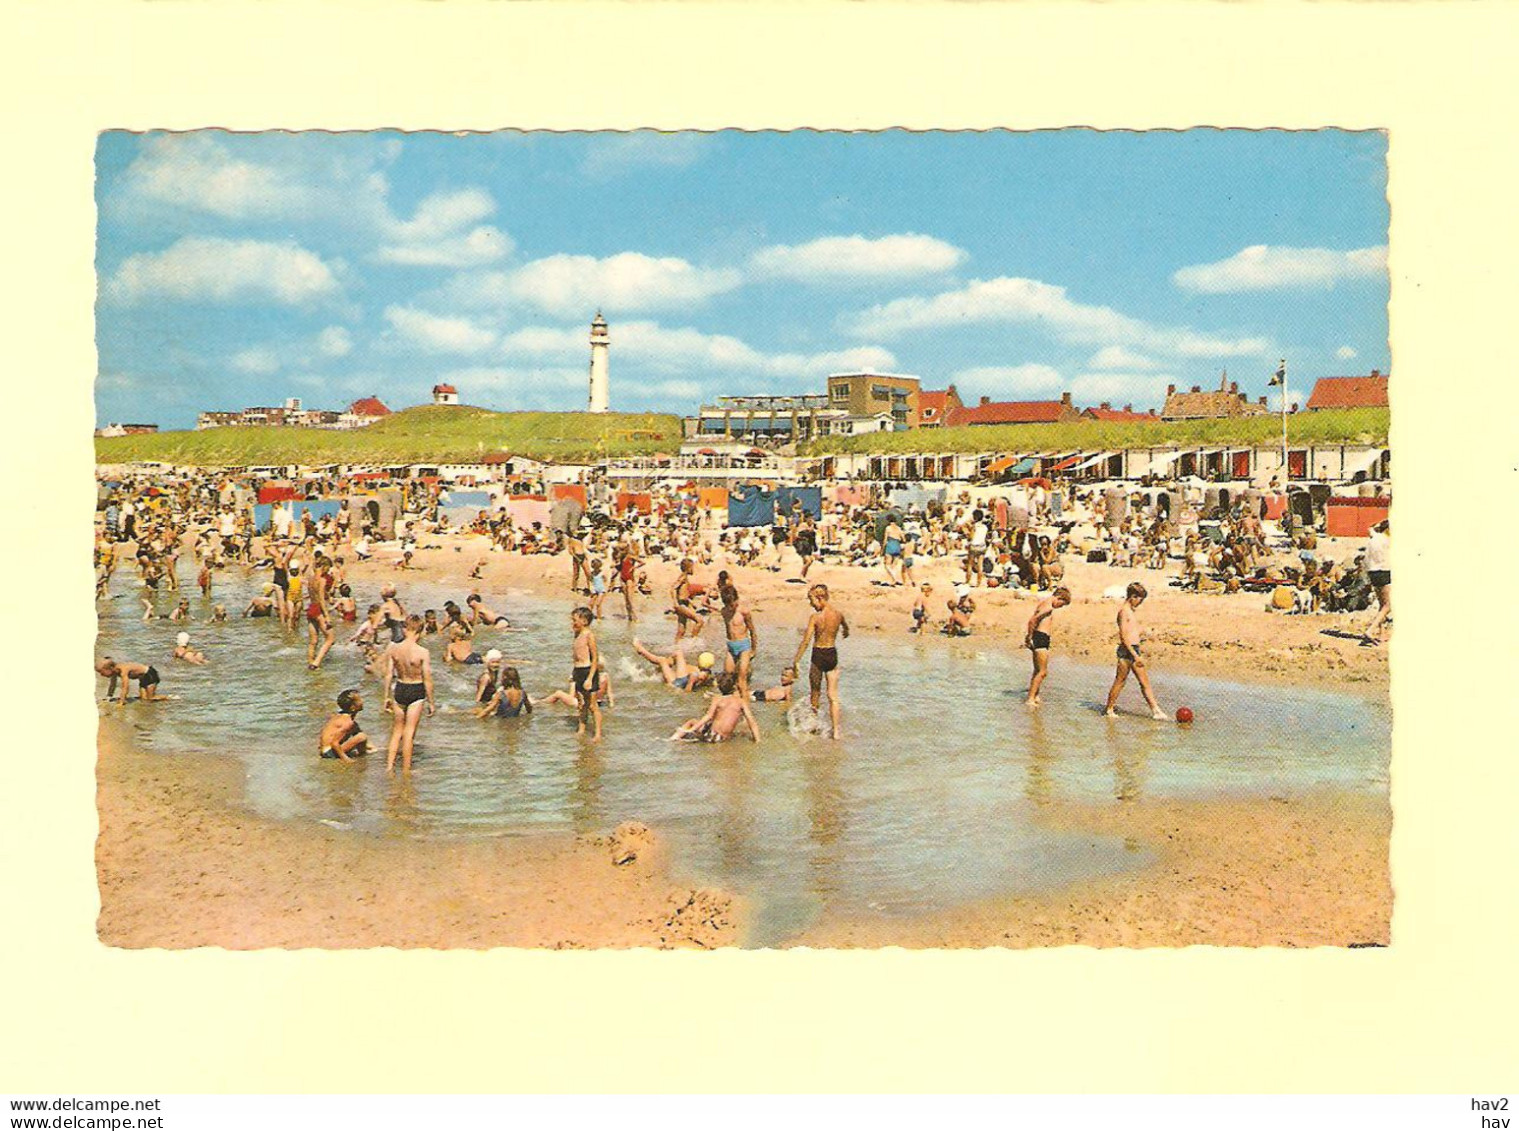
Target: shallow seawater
{"x": 931, "y": 799}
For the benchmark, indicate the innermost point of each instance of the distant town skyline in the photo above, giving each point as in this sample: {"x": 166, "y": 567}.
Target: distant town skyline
{"x": 245, "y": 269}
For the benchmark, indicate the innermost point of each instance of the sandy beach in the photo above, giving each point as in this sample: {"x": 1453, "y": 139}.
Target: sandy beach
{"x": 182, "y": 864}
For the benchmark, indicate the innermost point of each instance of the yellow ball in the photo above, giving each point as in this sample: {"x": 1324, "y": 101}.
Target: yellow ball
{"x": 706, "y": 660}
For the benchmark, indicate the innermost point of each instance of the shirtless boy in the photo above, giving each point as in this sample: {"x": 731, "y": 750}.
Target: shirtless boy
{"x": 146, "y": 676}
{"x": 586, "y": 660}
{"x": 480, "y": 614}
{"x": 1036, "y": 638}
{"x": 727, "y": 710}
{"x": 822, "y": 633}
{"x": 406, "y": 674}
{"x": 742, "y": 641}
{"x": 781, "y": 694}
{"x": 341, "y": 736}
{"x": 1129, "y": 658}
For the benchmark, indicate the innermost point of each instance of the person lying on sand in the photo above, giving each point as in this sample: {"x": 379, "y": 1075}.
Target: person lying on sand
{"x": 722, "y": 717}
{"x": 341, "y": 736}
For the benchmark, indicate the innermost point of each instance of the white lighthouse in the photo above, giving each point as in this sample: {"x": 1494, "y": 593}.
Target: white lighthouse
{"x": 600, "y": 383}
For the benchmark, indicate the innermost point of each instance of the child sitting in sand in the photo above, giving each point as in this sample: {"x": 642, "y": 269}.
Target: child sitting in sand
{"x": 959, "y": 616}
{"x": 341, "y": 736}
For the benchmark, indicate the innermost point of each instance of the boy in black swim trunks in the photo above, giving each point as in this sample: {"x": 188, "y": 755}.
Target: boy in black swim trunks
{"x": 1036, "y": 639}
{"x": 341, "y": 735}
{"x": 146, "y": 676}
{"x": 822, "y": 633}
{"x": 1129, "y": 659}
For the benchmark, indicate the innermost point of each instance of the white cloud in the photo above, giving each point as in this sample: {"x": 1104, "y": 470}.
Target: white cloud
{"x": 568, "y": 285}
{"x": 335, "y": 341}
{"x": 856, "y": 258}
{"x": 436, "y": 235}
{"x": 1116, "y": 357}
{"x": 1345, "y": 353}
{"x": 1031, "y": 302}
{"x": 196, "y": 171}
{"x": 260, "y": 359}
{"x": 1007, "y": 381}
{"x": 642, "y": 149}
{"x": 212, "y": 269}
{"x": 1264, "y": 267}
{"x": 1143, "y": 390}
{"x": 439, "y": 333}
{"x": 683, "y": 351}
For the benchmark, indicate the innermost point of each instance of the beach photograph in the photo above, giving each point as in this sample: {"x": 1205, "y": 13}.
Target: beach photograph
{"x": 762, "y": 540}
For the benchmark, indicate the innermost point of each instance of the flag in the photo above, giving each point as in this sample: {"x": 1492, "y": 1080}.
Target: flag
{"x": 1280, "y": 378}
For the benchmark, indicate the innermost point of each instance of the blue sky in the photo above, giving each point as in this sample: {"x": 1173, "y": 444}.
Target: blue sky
{"x": 242, "y": 269}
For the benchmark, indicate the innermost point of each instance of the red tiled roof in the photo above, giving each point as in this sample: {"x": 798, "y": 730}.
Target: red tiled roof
{"x": 1349, "y": 392}
{"x": 932, "y": 404}
{"x": 1008, "y": 412}
{"x": 368, "y": 406}
{"x": 1110, "y": 414}
{"x": 445, "y": 389}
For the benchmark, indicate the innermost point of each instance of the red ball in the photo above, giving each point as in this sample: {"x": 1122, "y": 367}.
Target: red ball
{"x": 1184, "y": 714}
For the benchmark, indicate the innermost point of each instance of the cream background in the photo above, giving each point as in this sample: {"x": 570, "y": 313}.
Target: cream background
{"x": 1433, "y": 1013}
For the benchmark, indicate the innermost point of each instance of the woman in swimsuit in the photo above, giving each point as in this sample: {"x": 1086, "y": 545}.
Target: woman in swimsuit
{"x": 407, "y": 677}
{"x": 508, "y": 701}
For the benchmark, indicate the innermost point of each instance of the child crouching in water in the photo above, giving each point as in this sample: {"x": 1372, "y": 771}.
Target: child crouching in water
{"x": 341, "y": 736}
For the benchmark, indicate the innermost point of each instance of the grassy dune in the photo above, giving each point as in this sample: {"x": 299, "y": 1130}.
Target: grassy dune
{"x": 427, "y": 434}
{"x": 1329, "y": 427}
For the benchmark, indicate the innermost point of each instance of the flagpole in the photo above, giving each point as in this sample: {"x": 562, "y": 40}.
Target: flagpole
{"x": 1281, "y": 376}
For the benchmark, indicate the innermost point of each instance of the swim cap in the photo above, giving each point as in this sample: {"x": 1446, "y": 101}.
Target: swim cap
{"x": 493, "y": 656}
{"x": 705, "y": 660}
{"x": 183, "y": 638}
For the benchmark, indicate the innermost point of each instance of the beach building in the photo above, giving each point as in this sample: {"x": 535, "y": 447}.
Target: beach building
{"x": 764, "y": 419}
{"x": 988, "y": 411}
{"x": 934, "y": 406}
{"x": 866, "y": 394}
{"x": 445, "y": 394}
{"x": 362, "y": 413}
{"x": 1349, "y": 392}
{"x": 860, "y": 425}
{"x": 1225, "y": 401}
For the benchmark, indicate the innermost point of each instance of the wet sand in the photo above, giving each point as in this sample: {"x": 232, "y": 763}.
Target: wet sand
{"x": 181, "y": 865}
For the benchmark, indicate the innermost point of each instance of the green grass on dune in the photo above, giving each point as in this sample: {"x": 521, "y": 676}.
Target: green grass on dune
{"x": 1346, "y": 426}
{"x": 426, "y": 434}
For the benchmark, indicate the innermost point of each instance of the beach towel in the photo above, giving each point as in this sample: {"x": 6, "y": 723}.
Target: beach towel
{"x": 712, "y": 499}
{"x": 272, "y": 494}
{"x": 851, "y": 495}
{"x": 574, "y": 491}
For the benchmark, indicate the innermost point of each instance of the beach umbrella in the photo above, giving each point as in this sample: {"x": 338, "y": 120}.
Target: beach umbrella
{"x": 1036, "y": 481}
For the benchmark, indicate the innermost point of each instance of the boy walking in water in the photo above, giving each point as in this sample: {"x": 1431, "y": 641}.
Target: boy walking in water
{"x": 406, "y": 673}
{"x": 822, "y": 633}
{"x": 1128, "y": 653}
{"x": 1036, "y": 638}
{"x": 586, "y": 656}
